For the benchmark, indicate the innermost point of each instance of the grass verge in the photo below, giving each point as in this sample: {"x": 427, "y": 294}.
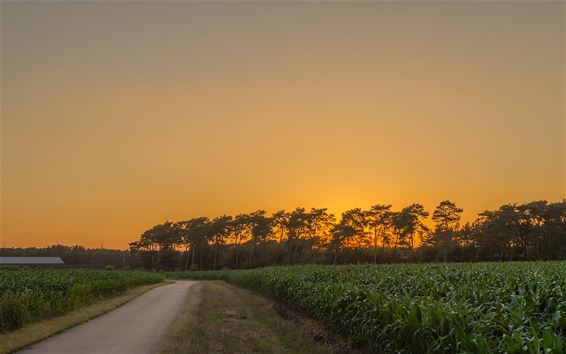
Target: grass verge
{"x": 219, "y": 317}
{"x": 33, "y": 333}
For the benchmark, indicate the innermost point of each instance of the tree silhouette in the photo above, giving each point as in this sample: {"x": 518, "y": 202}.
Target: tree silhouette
{"x": 188, "y": 236}
{"x": 260, "y": 227}
{"x": 408, "y": 223}
{"x": 217, "y": 231}
{"x": 529, "y": 231}
{"x": 446, "y": 217}
{"x": 379, "y": 219}
{"x": 296, "y": 226}
{"x": 240, "y": 229}
{"x": 319, "y": 225}
{"x": 340, "y": 234}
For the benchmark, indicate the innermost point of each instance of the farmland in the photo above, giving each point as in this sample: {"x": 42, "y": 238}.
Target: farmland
{"x": 436, "y": 308}
{"x": 30, "y": 295}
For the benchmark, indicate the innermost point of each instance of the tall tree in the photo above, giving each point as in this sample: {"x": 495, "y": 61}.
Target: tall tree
{"x": 240, "y": 230}
{"x": 356, "y": 219}
{"x": 199, "y": 240}
{"x": 446, "y": 217}
{"x": 408, "y": 223}
{"x": 341, "y": 233}
{"x": 188, "y": 237}
{"x": 553, "y": 238}
{"x": 279, "y": 221}
{"x": 217, "y": 231}
{"x": 379, "y": 218}
{"x": 319, "y": 225}
{"x": 296, "y": 226}
{"x": 352, "y": 230}
{"x": 416, "y": 226}
{"x": 530, "y": 222}
{"x": 260, "y": 226}
{"x": 499, "y": 231}
{"x": 160, "y": 242}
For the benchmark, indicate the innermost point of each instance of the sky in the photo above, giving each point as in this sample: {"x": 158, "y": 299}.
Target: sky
{"x": 116, "y": 116}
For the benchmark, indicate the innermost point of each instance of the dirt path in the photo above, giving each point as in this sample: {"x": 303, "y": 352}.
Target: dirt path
{"x": 136, "y": 327}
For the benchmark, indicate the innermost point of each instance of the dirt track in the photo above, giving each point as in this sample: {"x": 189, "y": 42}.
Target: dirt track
{"x": 136, "y": 327}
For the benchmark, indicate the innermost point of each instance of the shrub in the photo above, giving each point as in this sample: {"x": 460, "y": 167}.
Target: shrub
{"x": 13, "y": 314}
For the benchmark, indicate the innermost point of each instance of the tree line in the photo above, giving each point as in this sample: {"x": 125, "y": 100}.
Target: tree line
{"x": 530, "y": 231}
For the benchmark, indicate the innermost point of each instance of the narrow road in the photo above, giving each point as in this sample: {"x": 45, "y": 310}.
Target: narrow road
{"x": 135, "y": 327}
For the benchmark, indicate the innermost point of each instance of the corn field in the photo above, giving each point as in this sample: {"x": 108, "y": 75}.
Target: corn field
{"x": 30, "y": 295}
{"x": 457, "y": 308}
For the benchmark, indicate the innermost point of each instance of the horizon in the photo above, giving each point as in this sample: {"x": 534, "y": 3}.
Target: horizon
{"x": 427, "y": 221}
{"x": 120, "y": 116}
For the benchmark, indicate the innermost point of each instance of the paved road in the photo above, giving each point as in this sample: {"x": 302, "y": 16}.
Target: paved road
{"x": 135, "y": 327}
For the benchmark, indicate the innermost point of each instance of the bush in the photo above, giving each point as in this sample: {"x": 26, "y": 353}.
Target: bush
{"x": 13, "y": 314}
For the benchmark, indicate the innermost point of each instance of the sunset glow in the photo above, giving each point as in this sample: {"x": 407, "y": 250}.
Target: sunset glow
{"x": 117, "y": 116}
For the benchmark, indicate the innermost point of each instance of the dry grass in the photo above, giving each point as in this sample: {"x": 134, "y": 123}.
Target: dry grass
{"x": 178, "y": 339}
{"x": 221, "y": 318}
{"x": 33, "y": 333}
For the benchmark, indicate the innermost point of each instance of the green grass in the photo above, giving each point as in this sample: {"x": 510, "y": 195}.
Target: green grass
{"x": 31, "y": 295}
{"x": 221, "y": 318}
{"x": 457, "y": 308}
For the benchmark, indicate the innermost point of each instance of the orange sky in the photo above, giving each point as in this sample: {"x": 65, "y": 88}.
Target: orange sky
{"x": 120, "y": 115}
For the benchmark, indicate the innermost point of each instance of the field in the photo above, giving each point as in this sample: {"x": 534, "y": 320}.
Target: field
{"x": 456, "y": 308}
{"x": 30, "y": 295}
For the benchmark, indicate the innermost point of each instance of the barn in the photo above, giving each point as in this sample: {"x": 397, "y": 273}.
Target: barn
{"x": 31, "y": 261}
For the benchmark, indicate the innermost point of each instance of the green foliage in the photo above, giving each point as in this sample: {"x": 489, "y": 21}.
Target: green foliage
{"x": 13, "y": 313}
{"x": 29, "y": 295}
{"x": 454, "y": 308}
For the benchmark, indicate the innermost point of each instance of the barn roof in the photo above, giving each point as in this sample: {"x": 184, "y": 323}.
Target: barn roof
{"x": 30, "y": 260}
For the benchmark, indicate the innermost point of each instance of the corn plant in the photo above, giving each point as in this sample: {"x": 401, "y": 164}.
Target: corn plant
{"x": 29, "y": 295}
